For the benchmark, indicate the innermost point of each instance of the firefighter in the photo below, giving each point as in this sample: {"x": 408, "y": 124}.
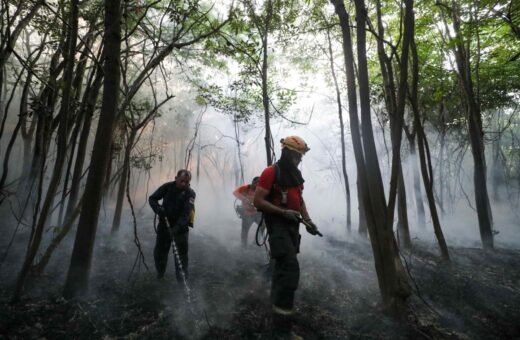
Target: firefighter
{"x": 246, "y": 209}
{"x": 175, "y": 217}
{"x": 279, "y": 196}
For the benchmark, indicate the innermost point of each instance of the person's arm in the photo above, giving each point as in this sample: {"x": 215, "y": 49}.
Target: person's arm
{"x": 304, "y": 212}
{"x": 154, "y": 199}
{"x": 307, "y": 221}
{"x": 261, "y": 203}
{"x": 240, "y": 193}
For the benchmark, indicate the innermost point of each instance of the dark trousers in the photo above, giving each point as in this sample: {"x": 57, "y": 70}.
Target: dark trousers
{"x": 162, "y": 249}
{"x": 284, "y": 241}
{"x": 247, "y": 221}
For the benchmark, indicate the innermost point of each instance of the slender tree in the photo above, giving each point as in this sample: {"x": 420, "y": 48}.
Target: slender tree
{"x": 79, "y": 269}
{"x": 422, "y": 143}
{"x": 474, "y": 123}
{"x": 36, "y": 235}
{"x": 392, "y": 281}
{"x": 342, "y": 131}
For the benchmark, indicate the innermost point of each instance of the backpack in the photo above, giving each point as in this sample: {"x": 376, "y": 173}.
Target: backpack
{"x": 283, "y": 190}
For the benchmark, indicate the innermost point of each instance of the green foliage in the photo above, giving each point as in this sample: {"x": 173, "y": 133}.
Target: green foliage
{"x": 144, "y": 162}
{"x": 492, "y": 51}
{"x": 240, "y": 46}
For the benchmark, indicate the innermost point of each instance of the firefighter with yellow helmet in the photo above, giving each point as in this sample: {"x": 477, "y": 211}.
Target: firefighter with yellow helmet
{"x": 279, "y": 196}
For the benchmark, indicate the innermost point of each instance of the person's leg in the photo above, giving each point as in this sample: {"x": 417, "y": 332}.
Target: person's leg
{"x": 286, "y": 275}
{"x": 181, "y": 241}
{"x": 161, "y": 250}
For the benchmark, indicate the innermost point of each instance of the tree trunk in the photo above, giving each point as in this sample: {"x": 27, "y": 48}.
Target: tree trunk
{"x": 21, "y": 120}
{"x": 342, "y": 131}
{"x": 476, "y": 135}
{"x": 442, "y": 146}
{"x": 35, "y": 240}
{"x": 402, "y": 220}
{"x": 421, "y": 215}
{"x": 15, "y": 132}
{"x": 395, "y": 103}
{"x": 392, "y": 280}
{"x": 8, "y": 44}
{"x": 421, "y": 143}
{"x": 45, "y": 105}
{"x": 70, "y": 155}
{"x": 88, "y": 105}
{"x": 265, "y": 93}
{"x": 122, "y": 181}
{"x": 393, "y": 286}
{"x": 39, "y": 267}
{"x": 79, "y": 269}
{"x": 497, "y": 169}
{"x": 396, "y": 120}
{"x": 78, "y": 116}
{"x": 362, "y": 228}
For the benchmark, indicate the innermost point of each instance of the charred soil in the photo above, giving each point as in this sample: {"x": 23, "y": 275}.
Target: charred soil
{"x": 476, "y": 296}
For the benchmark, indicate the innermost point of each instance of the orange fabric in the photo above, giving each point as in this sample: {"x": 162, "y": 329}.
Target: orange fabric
{"x": 246, "y": 195}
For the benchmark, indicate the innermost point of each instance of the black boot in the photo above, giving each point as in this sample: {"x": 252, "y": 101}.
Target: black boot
{"x": 282, "y": 327}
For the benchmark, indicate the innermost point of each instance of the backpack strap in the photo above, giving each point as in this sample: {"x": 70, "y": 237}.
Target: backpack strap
{"x": 283, "y": 189}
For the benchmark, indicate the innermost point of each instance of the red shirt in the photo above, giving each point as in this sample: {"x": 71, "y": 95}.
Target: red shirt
{"x": 294, "y": 194}
{"x": 246, "y": 194}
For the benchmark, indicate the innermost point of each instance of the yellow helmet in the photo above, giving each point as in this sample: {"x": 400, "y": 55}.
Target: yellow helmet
{"x": 295, "y": 143}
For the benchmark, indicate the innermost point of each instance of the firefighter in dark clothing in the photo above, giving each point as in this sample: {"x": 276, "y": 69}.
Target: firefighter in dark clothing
{"x": 279, "y": 196}
{"x": 247, "y": 210}
{"x": 177, "y": 207}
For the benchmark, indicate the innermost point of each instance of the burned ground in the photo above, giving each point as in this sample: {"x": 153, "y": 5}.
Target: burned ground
{"x": 477, "y": 296}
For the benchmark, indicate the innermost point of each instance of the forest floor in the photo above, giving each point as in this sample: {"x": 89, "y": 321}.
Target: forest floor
{"x": 476, "y": 296}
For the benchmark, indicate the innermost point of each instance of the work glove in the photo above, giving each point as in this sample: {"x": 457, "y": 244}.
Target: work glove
{"x": 291, "y": 215}
{"x": 160, "y": 211}
{"x": 311, "y": 227}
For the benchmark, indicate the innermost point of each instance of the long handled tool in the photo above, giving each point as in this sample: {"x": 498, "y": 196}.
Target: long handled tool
{"x": 309, "y": 226}
{"x": 178, "y": 259}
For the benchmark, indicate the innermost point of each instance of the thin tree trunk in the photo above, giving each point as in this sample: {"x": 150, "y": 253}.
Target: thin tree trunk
{"x": 79, "y": 269}
{"x": 421, "y": 215}
{"x": 8, "y": 44}
{"x": 402, "y": 221}
{"x": 89, "y": 103}
{"x": 122, "y": 181}
{"x": 442, "y": 146}
{"x": 239, "y": 152}
{"x": 39, "y": 267}
{"x": 70, "y": 155}
{"x": 362, "y": 228}
{"x": 78, "y": 117}
{"x": 21, "y": 120}
{"x": 421, "y": 143}
{"x": 342, "y": 139}
{"x": 497, "y": 169}
{"x": 393, "y": 286}
{"x": 395, "y": 103}
{"x": 393, "y": 283}
{"x": 45, "y": 104}
{"x": 476, "y": 134}
{"x": 265, "y": 93}
{"x": 34, "y": 242}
